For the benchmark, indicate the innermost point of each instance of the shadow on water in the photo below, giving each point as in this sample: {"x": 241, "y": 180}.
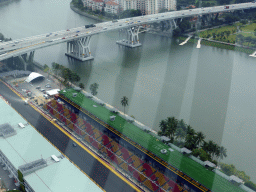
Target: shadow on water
{"x": 174, "y": 84}
{"x": 83, "y": 69}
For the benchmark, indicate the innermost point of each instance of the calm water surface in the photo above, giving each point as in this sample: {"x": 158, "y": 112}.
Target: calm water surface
{"x": 212, "y": 89}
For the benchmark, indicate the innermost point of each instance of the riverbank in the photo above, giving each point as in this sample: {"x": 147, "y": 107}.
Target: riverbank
{"x": 219, "y": 44}
{"x": 86, "y": 14}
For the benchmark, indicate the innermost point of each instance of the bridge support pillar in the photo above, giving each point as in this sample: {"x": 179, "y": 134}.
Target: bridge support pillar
{"x": 173, "y": 24}
{"x": 79, "y": 49}
{"x": 132, "y": 38}
{"x": 26, "y": 59}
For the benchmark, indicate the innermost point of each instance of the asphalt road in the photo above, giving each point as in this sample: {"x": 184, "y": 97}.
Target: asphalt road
{"x": 91, "y": 166}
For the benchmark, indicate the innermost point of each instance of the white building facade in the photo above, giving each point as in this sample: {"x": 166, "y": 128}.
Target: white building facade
{"x": 111, "y": 7}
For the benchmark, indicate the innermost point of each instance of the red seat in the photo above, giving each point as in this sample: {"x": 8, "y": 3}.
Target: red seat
{"x": 105, "y": 140}
{"x": 125, "y": 153}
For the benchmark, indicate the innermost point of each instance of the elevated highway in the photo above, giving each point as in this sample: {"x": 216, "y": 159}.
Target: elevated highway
{"x": 78, "y": 39}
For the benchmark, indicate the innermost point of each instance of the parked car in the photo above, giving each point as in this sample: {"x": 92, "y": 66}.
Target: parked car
{"x": 38, "y": 87}
{"x": 42, "y": 90}
{"x": 48, "y": 86}
{"x": 46, "y": 96}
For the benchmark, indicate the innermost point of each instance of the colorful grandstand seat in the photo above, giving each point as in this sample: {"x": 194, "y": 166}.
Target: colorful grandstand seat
{"x": 124, "y": 166}
{"x": 152, "y": 186}
{"x": 116, "y": 159}
{"x": 139, "y": 177}
{"x": 148, "y": 170}
{"x": 136, "y": 161}
{"x": 115, "y": 147}
{"x": 96, "y": 145}
{"x": 171, "y": 185}
{"x": 161, "y": 179}
{"x": 130, "y": 168}
{"x": 125, "y": 153}
{"x": 105, "y": 140}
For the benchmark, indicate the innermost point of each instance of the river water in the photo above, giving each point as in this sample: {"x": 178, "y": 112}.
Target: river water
{"x": 212, "y": 89}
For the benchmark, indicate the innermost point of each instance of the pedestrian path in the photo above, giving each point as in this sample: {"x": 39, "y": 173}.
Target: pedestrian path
{"x": 253, "y": 54}
{"x": 199, "y": 44}
{"x": 185, "y": 41}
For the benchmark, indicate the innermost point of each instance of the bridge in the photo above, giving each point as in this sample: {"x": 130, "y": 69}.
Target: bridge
{"x": 78, "y": 39}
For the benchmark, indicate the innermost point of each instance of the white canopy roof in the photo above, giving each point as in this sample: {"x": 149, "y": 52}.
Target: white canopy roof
{"x": 52, "y": 92}
{"x": 33, "y": 76}
{"x": 235, "y": 178}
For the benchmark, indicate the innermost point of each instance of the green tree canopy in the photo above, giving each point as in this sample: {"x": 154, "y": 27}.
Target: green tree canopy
{"x": 124, "y": 102}
{"x": 93, "y": 88}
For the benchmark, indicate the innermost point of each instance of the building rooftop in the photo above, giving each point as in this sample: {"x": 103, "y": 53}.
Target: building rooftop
{"x": 111, "y": 3}
{"x": 183, "y": 163}
{"x": 28, "y": 148}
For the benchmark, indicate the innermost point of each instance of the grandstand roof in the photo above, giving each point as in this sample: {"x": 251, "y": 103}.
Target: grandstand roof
{"x": 28, "y": 146}
{"x": 176, "y": 159}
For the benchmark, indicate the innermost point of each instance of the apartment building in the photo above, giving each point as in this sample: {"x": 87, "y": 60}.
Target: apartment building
{"x": 97, "y": 5}
{"x": 111, "y": 7}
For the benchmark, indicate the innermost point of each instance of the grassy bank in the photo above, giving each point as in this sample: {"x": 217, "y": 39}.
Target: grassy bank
{"x": 219, "y": 45}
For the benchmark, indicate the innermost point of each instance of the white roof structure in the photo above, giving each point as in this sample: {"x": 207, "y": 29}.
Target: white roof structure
{"x": 164, "y": 138}
{"x": 209, "y": 164}
{"x": 28, "y": 146}
{"x": 52, "y": 92}
{"x": 235, "y": 178}
{"x": 185, "y": 150}
{"x": 33, "y": 76}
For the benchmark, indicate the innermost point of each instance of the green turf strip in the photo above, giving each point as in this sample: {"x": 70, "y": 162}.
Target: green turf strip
{"x": 149, "y": 142}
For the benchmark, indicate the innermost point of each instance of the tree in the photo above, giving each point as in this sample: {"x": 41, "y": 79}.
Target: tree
{"x": 199, "y": 138}
{"x": 222, "y": 152}
{"x": 124, "y": 102}
{"x": 81, "y": 85}
{"x": 93, "y": 88}
{"x": 20, "y": 177}
{"x": 46, "y": 69}
{"x": 180, "y": 134}
{"x": 248, "y": 39}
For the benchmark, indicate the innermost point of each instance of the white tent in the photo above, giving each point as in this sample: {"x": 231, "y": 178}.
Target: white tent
{"x": 52, "y": 92}
{"x": 33, "y": 76}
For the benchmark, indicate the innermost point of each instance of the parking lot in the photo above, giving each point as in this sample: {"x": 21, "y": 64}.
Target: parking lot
{"x": 35, "y": 90}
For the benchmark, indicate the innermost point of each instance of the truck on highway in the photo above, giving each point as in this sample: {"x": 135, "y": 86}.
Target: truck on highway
{"x": 226, "y": 7}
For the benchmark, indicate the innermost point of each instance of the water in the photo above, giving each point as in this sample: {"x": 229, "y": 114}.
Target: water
{"x": 212, "y": 89}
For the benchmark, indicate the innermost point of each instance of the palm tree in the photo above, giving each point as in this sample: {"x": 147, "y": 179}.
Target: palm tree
{"x": 205, "y": 146}
{"x": 172, "y": 124}
{"x": 81, "y": 85}
{"x": 182, "y": 124}
{"x": 180, "y": 134}
{"x": 211, "y": 147}
{"x": 199, "y": 138}
{"x": 190, "y": 131}
{"x": 222, "y": 152}
{"x": 124, "y": 102}
{"x": 163, "y": 128}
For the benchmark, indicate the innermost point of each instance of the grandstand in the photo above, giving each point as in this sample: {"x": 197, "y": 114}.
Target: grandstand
{"x": 133, "y": 149}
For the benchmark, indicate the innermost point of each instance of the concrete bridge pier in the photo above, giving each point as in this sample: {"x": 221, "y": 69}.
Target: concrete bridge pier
{"x": 79, "y": 49}
{"x": 25, "y": 58}
{"x": 173, "y": 24}
{"x": 132, "y": 38}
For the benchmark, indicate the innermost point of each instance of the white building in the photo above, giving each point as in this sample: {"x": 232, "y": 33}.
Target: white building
{"x": 111, "y": 7}
{"x": 129, "y": 4}
{"x": 97, "y": 5}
